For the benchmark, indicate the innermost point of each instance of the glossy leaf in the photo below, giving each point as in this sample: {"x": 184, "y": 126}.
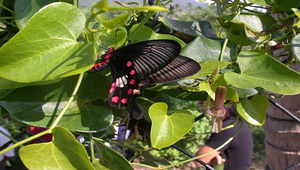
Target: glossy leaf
{"x": 208, "y": 67}
{"x": 167, "y": 128}
{"x": 7, "y": 84}
{"x": 286, "y": 5}
{"x": 297, "y": 12}
{"x": 116, "y": 22}
{"x": 259, "y": 2}
{"x": 110, "y": 158}
{"x": 295, "y": 46}
{"x": 254, "y": 25}
{"x": 64, "y": 152}
{"x": 204, "y": 49}
{"x": 254, "y": 110}
{"x": 25, "y": 9}
{"x": 46, "y": 49}
{"x": 145, "y": 33}
{"x": 114, "y": 39}
{"x": 244, "y": 93}
{"x": 194, "y": 29}
{"x": 260, "y": 70}
{"x": 39, "y": 105}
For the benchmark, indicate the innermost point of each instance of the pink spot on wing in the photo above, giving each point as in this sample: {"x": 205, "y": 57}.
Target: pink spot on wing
{"x": 129, "y": 91}
{"x": 132, "y": 82}
{"x": 115, "y": 99}
{"x": 124, "y": 101}
{"x": 113, "y": 85}
{"x": 111, "y": 89}
{"x": 132, "y": 72}
{"x": 129, "y": 64}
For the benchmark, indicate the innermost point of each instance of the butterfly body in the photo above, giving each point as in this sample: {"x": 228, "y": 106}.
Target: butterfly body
{"x": 135, "y": 66}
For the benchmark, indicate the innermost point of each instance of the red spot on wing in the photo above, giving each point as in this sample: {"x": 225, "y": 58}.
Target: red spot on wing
{"x": 132, "y": 82}
{"x": 115, "y": 99}
{"x": 129, "y": 91}
{"x": 132, "y": 72}
{"x": 124, "y": 101}
{"x": 129, "y": 64}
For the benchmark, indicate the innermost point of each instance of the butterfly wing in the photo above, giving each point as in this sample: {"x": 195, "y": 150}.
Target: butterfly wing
{"x": 135, "y": 66}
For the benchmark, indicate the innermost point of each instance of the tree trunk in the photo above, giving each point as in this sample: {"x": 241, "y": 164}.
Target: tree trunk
{"x": 282, "y": 133}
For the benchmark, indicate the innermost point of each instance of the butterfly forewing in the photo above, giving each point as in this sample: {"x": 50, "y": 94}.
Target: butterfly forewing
{"x": 135, "y": 66}
{"x": 148, "y": 56}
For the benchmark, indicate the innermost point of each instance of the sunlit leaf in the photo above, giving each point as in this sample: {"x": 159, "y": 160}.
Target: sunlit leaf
{"x": 261, "y": 70}
{"x": 46, "y": 49}
{"x": 254, "y": 110}
{"x": 167, "y": 128}
{"x": 295, "y": 46}
{"x": 110, "y": 158}
{"x": 64, "y": 152}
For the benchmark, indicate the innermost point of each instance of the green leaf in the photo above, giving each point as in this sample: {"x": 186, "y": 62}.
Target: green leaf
{"x": 153, "y": 161}
{"x": 219, "y": 81}
{"x": 145, "y": 33}
{"x": 208, "y": 67}
{"x": 168, "y": 129}
{"x": 110, "y": 158}
{"x": 192, "y": 28}
{"x": 7, "y": 84}
{"x": 244, "y": 93}
{"x": 297, "y": 12}
{"x": 102, "y": 5}
{"x": 295, "y": 46}
{"x": 4, "y": 92}
{"x": 64, "y": 152}
{"x": 46, "y": 49}
{"x": 254, "y": 110}
{"x": 116, "y": 22}
{"x": 25, "y": 9}
{"x": 286, "y": 5}
{"x": 259, "y": 2}
{"x": 204, "y": 49}
{"x": 40, "y": 105}
{"x": 253, "y": 25}
{"x": 115, "y": 39}
{"x": 261, "y": 70}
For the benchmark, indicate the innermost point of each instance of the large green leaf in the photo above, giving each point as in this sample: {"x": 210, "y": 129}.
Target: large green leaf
{"x": 145, "y": 33}
{"x": 295, "y": 46}
{"x": 208, "y": 67}
{"x": 254, "y": 110}
{"x": 261, "y": 70}
{"x": 204, "y": 49}
{"x": 64, "y": 152}
{"x": 191, "y": 28}
{"x": 110, "y": 158}
{"x": 167, "y": 128}
{"x": 253, "y": 26}
{"x": 286, "y": 5}
{"x": 46, "y": 48}
{"x": 25, "y": 9}
{"x": 39, "y": 105}
{"x": 297, "y": 12}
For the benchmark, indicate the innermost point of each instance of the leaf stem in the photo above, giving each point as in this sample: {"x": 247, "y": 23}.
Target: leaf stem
{"x": 69, "y": 102}
{"x": 25, "y": 141}
{"x": 141, "y": 24}
{"x": 11, "y": 11}
{"x": 92, "y": 148}
{"x": 225, "y": 44}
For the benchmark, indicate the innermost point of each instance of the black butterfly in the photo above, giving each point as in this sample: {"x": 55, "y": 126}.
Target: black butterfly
{"x": 135, "y": 66}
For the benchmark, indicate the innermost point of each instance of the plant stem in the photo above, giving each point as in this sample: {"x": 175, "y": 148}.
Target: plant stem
{"x": 225, "y": 44}
{"x": 220, "y": 147}
{"x": 25, "y": 141}
{"x": 92, "y": 147}
{"x": 69, "y": 102}
{"x": 11, "y": 11}
{"x": 137, "y": 28}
